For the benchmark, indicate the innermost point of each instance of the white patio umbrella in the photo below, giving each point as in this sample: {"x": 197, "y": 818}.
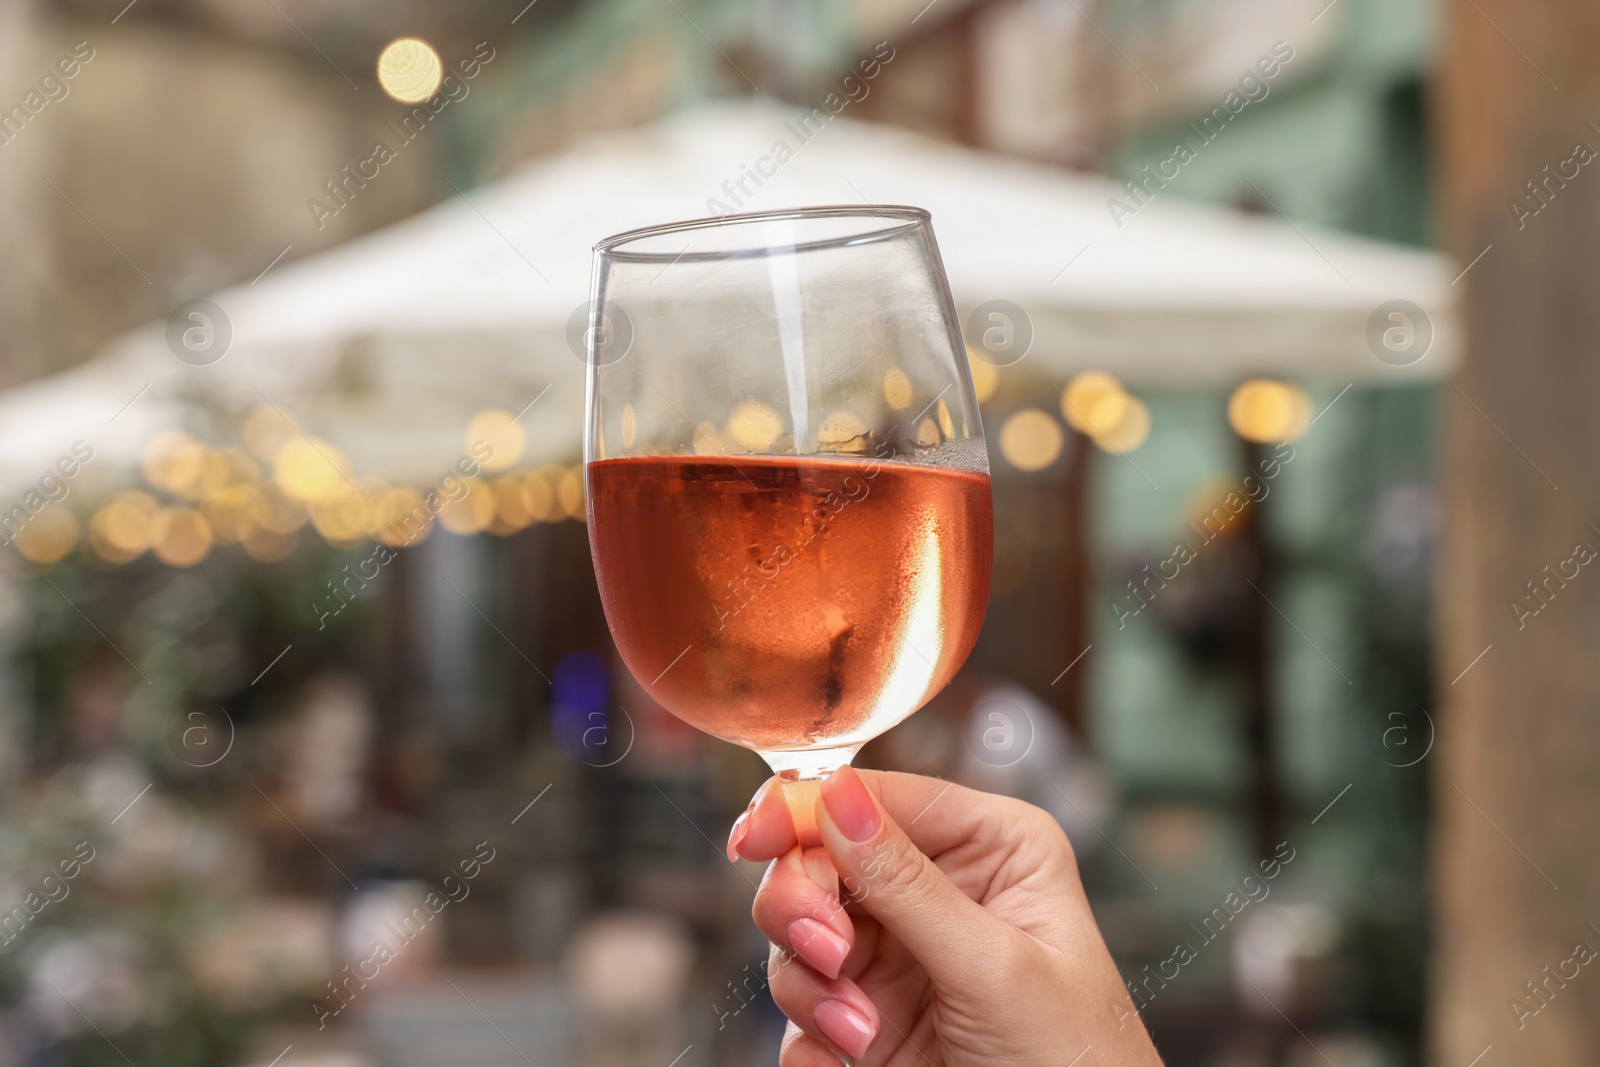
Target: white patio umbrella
{"x": 386, "y": 346}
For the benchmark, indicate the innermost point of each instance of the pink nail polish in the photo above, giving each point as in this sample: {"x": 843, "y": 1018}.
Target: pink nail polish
{"x": 845, "y": 1027}
{"x": 819, "y": 946}
{"x": 741, "y": 826}
{"x": 850, "y": 805}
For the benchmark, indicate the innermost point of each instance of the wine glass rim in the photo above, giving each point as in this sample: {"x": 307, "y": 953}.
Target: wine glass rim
{"x": 614, "y": 246}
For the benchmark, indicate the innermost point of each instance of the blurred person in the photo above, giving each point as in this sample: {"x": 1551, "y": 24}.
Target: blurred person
{"x": 966, "y": 938}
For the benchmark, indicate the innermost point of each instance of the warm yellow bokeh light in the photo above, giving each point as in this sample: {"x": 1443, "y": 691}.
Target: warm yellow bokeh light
{"x": 522, "y": 500}
{"x": 410, "y": 70}
{"x": 1089, "y": 402}
{"x": 841, "y": 428}
{"x": 242, "y": 467}
{"x": 401, "y": 517}
{"x": 471, "y": 513}
{"x": 541, "y": 496}
{"x": 1130, "y": 429}
{"x": 754, "y": 426}
{"x": 180, "y": 537}
{"x": 265, "y": 546}
{"x": 1030, "y": 439}
{"x": 708, "y": 440}
{"x": 347, "y": 518}
{"x": 310, "y": 471}
{"x": 121, "y": 530}
{"x": 570, "y": 493}
{"x": 174, "y": 461}
{"x": 48, "y": 536}
{"x": 498, "y": 429}
{"x": 232, "y": 512}
{"x": 276, "y": 513}
{"x": 1264, "y": 411}
{"x": 897, "y": 389}
{"x": 927, "y": 433}
{"x": 630, "y": 426}
{"x": 266, "y": 429}
{"x": 985, "y": 377}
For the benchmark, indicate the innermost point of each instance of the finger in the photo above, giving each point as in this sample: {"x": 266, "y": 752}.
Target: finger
{"x": 954, "y": 939}
{"x": 833, "y": 1010}
{"x": 800, "y": 1049}
{"x": 797, "y": 914}
{"x": 936, "y": 814}
{"x": 765, "y": 831}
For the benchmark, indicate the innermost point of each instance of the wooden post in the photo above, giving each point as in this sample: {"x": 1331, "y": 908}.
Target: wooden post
{"x": 1516, "y": 771}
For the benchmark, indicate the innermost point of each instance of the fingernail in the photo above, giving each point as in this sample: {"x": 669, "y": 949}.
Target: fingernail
{"x": 741, "y": 826}
{"x": 818, "y": 946}
{"x": 845, "y": 1027}
{"x": 850, "y": 805}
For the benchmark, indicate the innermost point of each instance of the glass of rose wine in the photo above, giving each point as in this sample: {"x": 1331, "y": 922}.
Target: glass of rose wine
{"x": 789, "y": 503}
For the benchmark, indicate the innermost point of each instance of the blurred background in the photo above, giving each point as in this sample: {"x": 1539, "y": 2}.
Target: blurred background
{"x": 314, "y": 748}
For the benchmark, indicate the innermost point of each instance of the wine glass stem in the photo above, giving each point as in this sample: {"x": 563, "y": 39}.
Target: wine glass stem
{"x": 801, "y": 773}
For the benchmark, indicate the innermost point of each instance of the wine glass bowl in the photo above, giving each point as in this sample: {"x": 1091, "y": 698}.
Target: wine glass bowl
{"x": 789, "y": 502}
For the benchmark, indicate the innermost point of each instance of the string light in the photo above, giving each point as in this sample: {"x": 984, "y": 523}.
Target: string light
{"x": 1266, "y": 411}
{"x": 410, "y": 70}
{"x": 1030, "y": 439}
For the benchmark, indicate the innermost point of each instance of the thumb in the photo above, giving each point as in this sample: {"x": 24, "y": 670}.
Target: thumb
{"x": 896, "y": 883}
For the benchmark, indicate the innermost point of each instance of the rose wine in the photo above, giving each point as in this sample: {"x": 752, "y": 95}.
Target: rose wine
{"x": 789, "y": 603}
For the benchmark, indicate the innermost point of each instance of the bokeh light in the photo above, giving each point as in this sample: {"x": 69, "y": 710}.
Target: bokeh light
{"x": 266, "y": 546}
{"x": 501, "y": 432}
{"x": 277, "y": 514}
{"x": 1263, "y": 410}
{"x": 571, "y": 494}
{"x": 897, "y": 389}
{"x": 754, "y": 426}
{"x": 1092, "y": 402}
{"x": 1130, "y": 430}
{"x": 346, "y": 518}
{"x": 1030, "y": 439}
{"x": 180, "y": 537}
{"x": 520, "y": 501}
{"x": 267, "y": 429}
{"x": 401, "y": 518}
{"x": 630, "y": 426}
{"x": 841, "y": 428}
{"x": 173, "y": 461}
{"x": 48, "y": 536}
{"x": 410, "y": 70}
{"x": 121, "y": 530}
{"x": 985, "y": 377}
{"x": 471, "y": 513}
{"x": 232, "y": 512}
{"x": 310, "y": 470}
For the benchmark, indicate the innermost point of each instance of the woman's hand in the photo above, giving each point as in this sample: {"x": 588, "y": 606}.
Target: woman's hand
{"x": 965, "y": 937}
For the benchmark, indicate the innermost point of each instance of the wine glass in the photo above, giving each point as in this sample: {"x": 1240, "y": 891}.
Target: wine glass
{"x": 789, "y": 502}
